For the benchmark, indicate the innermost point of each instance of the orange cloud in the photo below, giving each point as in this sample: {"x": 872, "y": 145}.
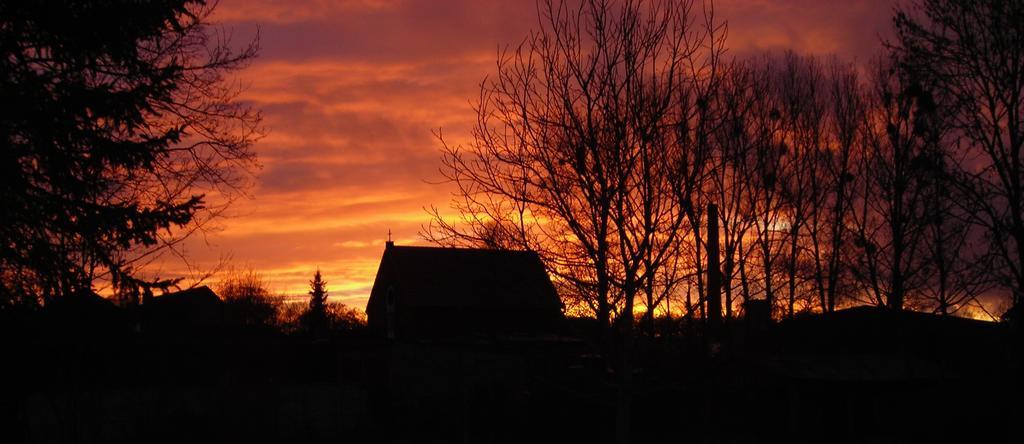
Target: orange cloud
{"x": 351, "y": 91}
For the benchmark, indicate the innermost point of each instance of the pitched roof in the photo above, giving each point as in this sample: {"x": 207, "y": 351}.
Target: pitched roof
{"x": 465, "y": 278}
{"x": 84, "y": 306}
{"x": 198, "y": 296}
{"x": 80, "y": 316}
{"x": 196, "y": 305}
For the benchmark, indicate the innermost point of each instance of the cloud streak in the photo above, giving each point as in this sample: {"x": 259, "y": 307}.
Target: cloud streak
{"x": 352, "y": 90}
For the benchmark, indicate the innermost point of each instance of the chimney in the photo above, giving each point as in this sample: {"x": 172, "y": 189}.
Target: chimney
{"x": 389, "y": 243}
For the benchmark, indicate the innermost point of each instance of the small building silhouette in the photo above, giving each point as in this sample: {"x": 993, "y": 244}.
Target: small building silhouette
{"x": 429, "y": 293}
{"x": 84, "y": 316}
{"x": 193, "y": 308}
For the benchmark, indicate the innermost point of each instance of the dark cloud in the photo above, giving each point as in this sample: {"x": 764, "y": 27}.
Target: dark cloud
{"x": 395, "y": 31}
{"x": 312, "y": 175}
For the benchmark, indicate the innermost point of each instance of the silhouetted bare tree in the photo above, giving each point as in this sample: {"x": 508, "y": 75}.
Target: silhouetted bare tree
{"x": 766, "y": 166}
{"x": 889, "y": 216}
{"x": 248, "y": 299}
{"x": 972, "y": 53}
{"x": 956, "y": 270}
{"x": 800, "y": 86}
{"x": 580, "y": 148}
{"x": 848, "y": 108}
{"x": 729, "y": 186}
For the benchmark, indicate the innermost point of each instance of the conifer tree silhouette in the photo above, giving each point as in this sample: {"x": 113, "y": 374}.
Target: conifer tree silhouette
{"x": 117, "y": 120}
{"x": 316, "y": 317}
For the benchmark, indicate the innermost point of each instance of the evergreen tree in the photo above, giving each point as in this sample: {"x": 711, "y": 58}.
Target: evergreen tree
{"x": 316, "y": 317}
{"x": 318, "y": 294}
{"x": 116, "y": 119}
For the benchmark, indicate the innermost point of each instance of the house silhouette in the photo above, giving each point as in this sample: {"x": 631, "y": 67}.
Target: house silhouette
{"x": 429, "y": 293}
{"x": 83, "y": 317}
{"x": 198, "y": 306}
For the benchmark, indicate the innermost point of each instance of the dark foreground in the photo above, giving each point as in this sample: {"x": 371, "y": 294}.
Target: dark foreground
{"x": 859, "y": 375}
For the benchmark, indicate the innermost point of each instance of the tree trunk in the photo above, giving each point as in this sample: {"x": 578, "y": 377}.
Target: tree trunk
{"x": 623, "y": 411}
{"x": 698, "y": 260}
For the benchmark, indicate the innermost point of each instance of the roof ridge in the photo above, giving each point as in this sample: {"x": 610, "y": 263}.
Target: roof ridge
{"x": 440, "y": 248}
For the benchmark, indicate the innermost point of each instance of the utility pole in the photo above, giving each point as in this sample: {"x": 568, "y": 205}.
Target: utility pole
{"x": 714, "y": 273}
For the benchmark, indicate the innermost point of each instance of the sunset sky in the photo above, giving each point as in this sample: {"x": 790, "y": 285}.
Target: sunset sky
{"x": 352, "y": 90}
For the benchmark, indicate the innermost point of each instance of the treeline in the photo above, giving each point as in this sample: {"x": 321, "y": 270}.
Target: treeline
{"x": 605, "y": 135}
{"x": 248, "y": 300}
